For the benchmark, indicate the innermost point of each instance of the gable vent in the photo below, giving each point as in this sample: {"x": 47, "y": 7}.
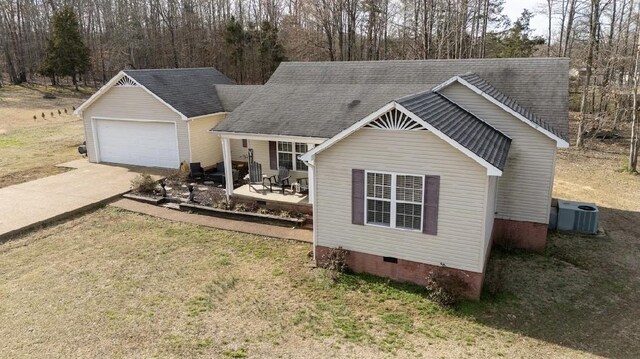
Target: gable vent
{"x": 395, "y": 120}
{"x": 126, "y": 81}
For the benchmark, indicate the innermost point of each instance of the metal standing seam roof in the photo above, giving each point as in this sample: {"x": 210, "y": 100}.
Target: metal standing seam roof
{"x": 190, "y": 91}
{"x": 490, "y": 90}
{"x": 460, "y": 125}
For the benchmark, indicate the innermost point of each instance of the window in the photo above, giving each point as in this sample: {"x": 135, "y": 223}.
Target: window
{"x": 394, "y": 200}
{"x": 288, "y": 153}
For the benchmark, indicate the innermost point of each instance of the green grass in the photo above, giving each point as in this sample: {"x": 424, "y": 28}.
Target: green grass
{"x": 122, "y": 284}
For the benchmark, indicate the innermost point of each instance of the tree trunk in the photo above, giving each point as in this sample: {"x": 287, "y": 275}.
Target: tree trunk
{"x": 593, "y": 21}
{"x": 633, "y": 147}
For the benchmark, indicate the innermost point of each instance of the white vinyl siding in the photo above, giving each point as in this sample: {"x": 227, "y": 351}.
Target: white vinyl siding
{"x": 206, "y": 147}
{"x": 524, "y": 190}
{"x": 491, "y": 199}
{"x": 463, "y": 183}
{"x": 238, "y": 153}
{"x": 133, "y": 103}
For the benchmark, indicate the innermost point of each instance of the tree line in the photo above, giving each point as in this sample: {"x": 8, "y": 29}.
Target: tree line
{"x": 247, "y": 39}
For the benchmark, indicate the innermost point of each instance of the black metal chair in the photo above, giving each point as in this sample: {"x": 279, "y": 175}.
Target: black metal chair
{"x": 280, "y": 180}
{"x": 219, "y": 176}
{"x": 196, "y": 171}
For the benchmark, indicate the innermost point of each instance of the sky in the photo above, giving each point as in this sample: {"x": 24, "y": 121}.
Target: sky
{"x": 513, "y": 9}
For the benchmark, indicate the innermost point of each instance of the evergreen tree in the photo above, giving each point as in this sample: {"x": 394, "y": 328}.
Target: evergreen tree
{"x": 235, "y": 38}
{"x": 66, "y": 53}
{"x": 271, "y": 51}
{"x": 517, "y": 42}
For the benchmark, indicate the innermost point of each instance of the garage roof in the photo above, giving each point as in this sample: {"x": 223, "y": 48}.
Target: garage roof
{"x": 189, "y": 91}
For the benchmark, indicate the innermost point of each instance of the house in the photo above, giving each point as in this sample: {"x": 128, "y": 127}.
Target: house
{"x": 414, "y": 165}
{"x": 411, "y": 165}
{"x": 160, "y": 118}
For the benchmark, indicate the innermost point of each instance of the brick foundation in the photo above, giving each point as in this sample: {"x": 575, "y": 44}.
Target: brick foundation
{"x": 518, "y": 234}
{"x": 403, "y": 270}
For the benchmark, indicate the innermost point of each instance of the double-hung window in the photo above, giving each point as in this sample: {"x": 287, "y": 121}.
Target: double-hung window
{"x": 394, "y": 200}
{"x": 288, "y": 153}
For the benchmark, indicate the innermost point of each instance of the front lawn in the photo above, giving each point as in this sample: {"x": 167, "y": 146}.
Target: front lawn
{"x": 31, "y": 148}
{"x": 113, "y": 283}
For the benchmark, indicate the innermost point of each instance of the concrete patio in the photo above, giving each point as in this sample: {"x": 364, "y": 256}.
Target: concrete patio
{"x": 257, "y": 191}
{"x": 30, "y": 204}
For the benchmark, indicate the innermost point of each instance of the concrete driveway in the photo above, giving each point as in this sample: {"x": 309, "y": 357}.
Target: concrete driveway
{"x": 88, "y": 184}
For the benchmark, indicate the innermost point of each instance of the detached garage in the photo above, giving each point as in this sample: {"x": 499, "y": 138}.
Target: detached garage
{"x": 158, "y": 118}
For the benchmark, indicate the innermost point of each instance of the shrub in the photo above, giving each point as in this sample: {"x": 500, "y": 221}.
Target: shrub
{"x": 446, "y": 287}
{"x": 143, "y": 183}
{"x": 284, "y": 214}
{"x": 182, "y": 173}
{"x": 263, "y": 210}
{"x": 241, "y": 207}
{"x": 335, "y": 260}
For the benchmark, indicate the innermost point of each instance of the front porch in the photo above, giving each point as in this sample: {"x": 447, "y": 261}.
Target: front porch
{"x": 260, "y": 193}
{"x": 275, "y": 155}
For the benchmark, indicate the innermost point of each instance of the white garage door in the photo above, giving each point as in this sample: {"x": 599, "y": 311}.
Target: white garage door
{"x": 151, "y": 144}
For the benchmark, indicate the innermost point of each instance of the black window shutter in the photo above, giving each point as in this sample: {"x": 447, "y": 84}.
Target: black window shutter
{"x": 244, "y": 143}
{"x": 430, "y": 208}
{"x": 273, "y": 155}
{"x": 357, "y": 196}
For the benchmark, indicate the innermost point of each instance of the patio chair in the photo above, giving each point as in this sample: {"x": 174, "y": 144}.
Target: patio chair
{"x": 281, "y": 179}
{"x": 218, "y": 175}
{"x": 196, "y": 171}
{"x": 255, "y": 175}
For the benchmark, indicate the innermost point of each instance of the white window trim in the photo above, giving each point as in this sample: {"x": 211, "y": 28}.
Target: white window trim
{"x": 293, "y": 153}
{"x": 393, "y": 201}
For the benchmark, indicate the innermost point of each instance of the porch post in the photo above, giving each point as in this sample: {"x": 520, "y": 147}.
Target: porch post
{"x": 312, "y": 180}
{"x": 228, "y": 167}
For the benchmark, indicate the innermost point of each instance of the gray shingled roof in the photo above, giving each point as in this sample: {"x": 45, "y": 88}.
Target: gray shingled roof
{"x": 490, "y": 90}
{"x": 460, "y": 125}
{"x": 190, "y": 91}
{"x": 320, "y": 99}
{"x": 232, "y": 96}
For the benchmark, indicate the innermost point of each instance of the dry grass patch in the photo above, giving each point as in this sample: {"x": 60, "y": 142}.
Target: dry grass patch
{"x": 29, "y": 148}
{"x": 113, "y": 283}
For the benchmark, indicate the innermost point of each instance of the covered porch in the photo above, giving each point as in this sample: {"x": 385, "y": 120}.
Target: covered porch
{"x": 274, "y": 171}
{"x": 260, "y": 193}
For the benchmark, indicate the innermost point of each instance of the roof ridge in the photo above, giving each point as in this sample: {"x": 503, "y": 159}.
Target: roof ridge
{"x": 174, "y": 69}
{"x": 502, "y": 59}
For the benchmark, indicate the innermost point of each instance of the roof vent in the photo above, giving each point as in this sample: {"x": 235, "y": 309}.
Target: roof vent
{"x": 578, "y": 216}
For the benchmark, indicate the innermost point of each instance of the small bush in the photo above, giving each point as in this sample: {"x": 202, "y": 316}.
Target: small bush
{"x": 143, "y": 183}
{"x": 241, "y": 207}
{"x": 182, "y": 173}
{"x": 335, "y": 261}
{"x": 263, "y": 210}
{"x": 284, "y": 214}
{"x": 446, "y": 287}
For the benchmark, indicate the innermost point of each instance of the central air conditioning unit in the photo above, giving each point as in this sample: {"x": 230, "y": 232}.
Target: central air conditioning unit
{"x": 578, "y": 216}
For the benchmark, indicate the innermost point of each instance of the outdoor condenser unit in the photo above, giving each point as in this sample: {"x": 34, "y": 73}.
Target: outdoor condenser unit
{"x": 578, "y": 216}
